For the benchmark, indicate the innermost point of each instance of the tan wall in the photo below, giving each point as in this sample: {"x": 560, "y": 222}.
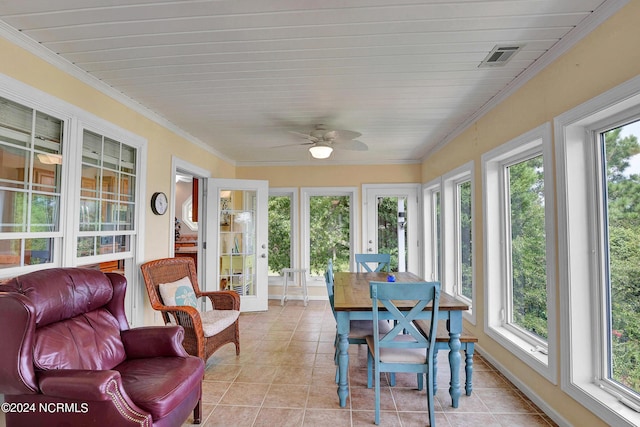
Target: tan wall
{"x": 162, "y": 143}
{"x": 332, "y": 176}
{"x": 606, "y": 58}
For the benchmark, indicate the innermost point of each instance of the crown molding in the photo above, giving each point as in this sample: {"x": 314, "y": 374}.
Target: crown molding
{"x": 27, "y": 43}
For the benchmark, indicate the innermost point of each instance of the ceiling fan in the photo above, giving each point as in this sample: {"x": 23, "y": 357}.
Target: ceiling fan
{"x": 323, "y": 140}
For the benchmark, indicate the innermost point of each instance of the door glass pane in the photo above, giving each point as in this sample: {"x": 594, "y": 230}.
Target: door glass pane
{"x": 279, "y": 234}
{"x": 238, "y": 241}
{"x": 622, "y": 204}
{"x": 329, "y": 233}
{"x": 392, "y": 231}
{"x": 528, "y": 246}
{"x": 438, "y": 251}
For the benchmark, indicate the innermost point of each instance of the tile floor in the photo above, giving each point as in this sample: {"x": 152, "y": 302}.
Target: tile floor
{"x": 285, "y": 375}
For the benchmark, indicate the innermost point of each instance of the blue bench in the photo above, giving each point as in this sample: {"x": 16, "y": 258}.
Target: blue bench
{"x": 467, "y": 343}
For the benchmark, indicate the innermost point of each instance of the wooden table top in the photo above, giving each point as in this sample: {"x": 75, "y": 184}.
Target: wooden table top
{"x": 351, "y": 291}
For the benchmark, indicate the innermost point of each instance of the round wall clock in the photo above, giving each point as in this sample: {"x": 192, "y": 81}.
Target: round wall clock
{"x": 159, "y": 203}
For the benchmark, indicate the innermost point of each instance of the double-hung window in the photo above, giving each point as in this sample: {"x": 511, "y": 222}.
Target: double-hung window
{"x": 457, "y": 263}
{"x": 431, "y": 195}
{"x": 107, "y": 197}
{"x": 599, "y": 256}
{"x": 519, "y": 265}
{"x": 31, "y": 144}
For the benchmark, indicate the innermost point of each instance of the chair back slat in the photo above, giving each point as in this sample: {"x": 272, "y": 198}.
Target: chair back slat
{"x": 328, "y": 279}
{"x": 382, "y": 262}
{"x": 384, "y": 294}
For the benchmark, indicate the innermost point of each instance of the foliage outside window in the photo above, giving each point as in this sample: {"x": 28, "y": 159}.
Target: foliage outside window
{"x": 329, "y": 233}
{"x": 621, "y": 172}
{"x": 280, "y": 236}
{"x": 388, "y": 229}
{"x": 465, "y": 239}
{"x": 528, "y": 302}
{"x": 30, "y": 184}
{"x": 519, "y": 247}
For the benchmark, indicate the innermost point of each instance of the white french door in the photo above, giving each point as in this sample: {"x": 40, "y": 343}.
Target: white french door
{"x": 392, "y": 224}
{"x": 236, "y": 255}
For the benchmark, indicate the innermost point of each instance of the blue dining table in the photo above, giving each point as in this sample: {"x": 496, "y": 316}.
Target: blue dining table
{"x": 352, "y": 301}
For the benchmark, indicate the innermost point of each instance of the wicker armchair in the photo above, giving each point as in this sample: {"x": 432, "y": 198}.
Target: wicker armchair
{"x": 195, "y": 342}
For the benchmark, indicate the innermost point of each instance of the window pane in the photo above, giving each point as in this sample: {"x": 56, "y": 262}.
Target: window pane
{"x": 329, "y": 232}
{"x": 48, "y": 133}
{"x": 466, "y": 249}
{"x": 390, "y": 241}
{"x": 15, "y": 123}
{"x": 621, "y": 150}
{"x": 91, "y": 148}
{"x": 438, "y": 253}
{"x": 14, "y": 167}
{"x": 86, "y": 246}
{"x": 36, "y": 251}
{"x": 528, "y": 246}
{"x": 44, "y": 212}
{"x": 14, "y": 208}
{"x": 279, "y": 233}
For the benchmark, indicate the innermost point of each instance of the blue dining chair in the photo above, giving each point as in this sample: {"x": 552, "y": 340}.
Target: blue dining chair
{"x": 358, "y": 329}
{"x": 382, "y": 262}
{"x": 403, "y": 348}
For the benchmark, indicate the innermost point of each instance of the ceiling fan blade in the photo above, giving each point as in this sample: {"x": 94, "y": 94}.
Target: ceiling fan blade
{"x": 300, "y": 144}
{"x": 311, "y": 138}
{"x": 345, "y": 134}
{"x": 352, "y": 145}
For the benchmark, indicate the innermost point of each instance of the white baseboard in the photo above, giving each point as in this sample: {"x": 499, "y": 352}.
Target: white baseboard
{"x": 539, "y": 401}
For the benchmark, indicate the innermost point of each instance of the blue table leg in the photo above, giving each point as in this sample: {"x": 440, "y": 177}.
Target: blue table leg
{"x": 468, "y": 368}
{"x": 343, "y": 356}
{"x": 454, "y": 325}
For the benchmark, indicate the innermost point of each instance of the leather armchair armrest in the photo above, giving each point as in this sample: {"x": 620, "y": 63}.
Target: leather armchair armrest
{"x": 223, "y": 300}
{"x": 79, "y": 384}
{"x": 154, "y": 341}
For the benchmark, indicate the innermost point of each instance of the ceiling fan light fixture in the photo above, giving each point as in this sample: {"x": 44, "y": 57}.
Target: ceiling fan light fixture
{"x": 320, "y": 151}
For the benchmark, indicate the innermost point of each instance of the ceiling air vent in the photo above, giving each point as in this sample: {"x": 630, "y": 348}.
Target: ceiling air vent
{"x": 500, "y": 55}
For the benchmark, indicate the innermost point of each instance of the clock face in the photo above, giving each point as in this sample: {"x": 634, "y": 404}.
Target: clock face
{"x": 159, "y": 203}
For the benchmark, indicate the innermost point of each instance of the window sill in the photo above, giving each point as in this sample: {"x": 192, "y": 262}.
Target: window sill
{"x": 524, "y": 350}
{"x": 603, "y": 404}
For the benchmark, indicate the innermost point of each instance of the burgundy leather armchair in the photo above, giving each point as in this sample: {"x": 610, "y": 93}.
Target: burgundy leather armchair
{"x": 69, "y": 358}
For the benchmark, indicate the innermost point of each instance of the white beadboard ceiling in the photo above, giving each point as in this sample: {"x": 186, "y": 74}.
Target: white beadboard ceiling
{"x": 240, "y": 75}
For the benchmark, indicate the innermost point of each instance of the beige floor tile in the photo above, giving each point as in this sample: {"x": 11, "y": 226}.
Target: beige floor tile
{"x": 285, "y": 376}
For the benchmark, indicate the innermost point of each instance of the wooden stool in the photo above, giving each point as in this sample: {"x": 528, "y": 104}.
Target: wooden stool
{"x": 290, "y": 274}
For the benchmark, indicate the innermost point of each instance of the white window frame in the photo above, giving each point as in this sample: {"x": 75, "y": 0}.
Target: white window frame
{"x": 451, "y": 271}
{"x": 291, "y": 192}
{"x": 306, "y": 194}
{"x": 124, "y": 137}
{"x": 30, "y": 99}
{"x": 580, "y": 249}
{"x": 432, "y": 258}
{"x": 75, "y": 120}
{"x": 535, "y": 352}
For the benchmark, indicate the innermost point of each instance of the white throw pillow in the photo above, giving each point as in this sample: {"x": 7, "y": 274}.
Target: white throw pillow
{"x": 178, "y": 293}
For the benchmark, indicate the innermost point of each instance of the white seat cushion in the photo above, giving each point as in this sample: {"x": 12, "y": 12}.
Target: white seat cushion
{"x": 362, "y": 328}
{"x": 215, "y": 321}
{"x": 400, "y": 355}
